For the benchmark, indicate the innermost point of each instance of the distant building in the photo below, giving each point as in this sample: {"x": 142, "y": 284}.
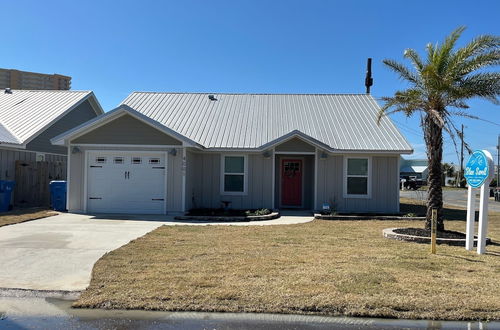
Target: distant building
{"x": 16, "y": 79}
{"x": 414, "y": 167}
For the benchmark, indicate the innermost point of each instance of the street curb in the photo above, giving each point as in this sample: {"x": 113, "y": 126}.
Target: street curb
{"x": 28, "y": 293}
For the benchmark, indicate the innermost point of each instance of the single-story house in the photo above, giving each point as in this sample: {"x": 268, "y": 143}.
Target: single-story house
{"x": 30, "y": 118}
{"x": 170, "y": 152}
{"x": 417, "y": 168}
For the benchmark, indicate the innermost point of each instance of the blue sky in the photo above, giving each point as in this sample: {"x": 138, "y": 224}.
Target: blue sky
{"x": 116, "y": 47}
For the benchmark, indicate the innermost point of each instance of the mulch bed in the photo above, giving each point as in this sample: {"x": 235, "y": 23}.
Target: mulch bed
{"x": 220, "y": 212}
{"x": 427, "y": 233}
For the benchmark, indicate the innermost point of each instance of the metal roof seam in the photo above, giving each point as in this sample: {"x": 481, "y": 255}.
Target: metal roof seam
{"x": 341, "y": 121}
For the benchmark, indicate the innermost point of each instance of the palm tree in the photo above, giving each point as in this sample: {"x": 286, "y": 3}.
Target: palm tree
{"x": 439, "y": 87}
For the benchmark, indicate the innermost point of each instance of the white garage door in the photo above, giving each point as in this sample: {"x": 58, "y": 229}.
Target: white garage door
{"x": 126, "y": 183}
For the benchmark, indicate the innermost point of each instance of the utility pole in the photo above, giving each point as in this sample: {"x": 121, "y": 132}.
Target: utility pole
{"x": 368, "y": 79}
{"x": 461, "y": 158}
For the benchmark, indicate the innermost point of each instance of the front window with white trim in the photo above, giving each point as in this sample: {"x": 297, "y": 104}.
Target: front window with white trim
{"x": 234, "y": 172}
{"x": 357, "y": 177}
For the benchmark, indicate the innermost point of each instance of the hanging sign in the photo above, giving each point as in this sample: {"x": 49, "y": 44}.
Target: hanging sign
{"x": 477, "y": 169}
{"x": 478, "y": 173}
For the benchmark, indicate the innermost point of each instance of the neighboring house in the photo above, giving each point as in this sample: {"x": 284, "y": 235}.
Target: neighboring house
{"x": 414, "y": 167}
{"x": 170, "y": 152}
{"x": 30, "y": 118}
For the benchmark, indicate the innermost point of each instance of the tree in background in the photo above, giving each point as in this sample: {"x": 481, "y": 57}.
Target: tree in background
{"x": 448, "y": 171}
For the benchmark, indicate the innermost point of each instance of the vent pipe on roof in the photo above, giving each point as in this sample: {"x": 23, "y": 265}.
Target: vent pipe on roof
{"x": 212, "y": 97}
{"x": 8, "y": 91}
{"x": 368, "y": 79}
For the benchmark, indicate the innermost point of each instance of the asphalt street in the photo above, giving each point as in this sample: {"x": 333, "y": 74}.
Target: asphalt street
{"x": 452, "y": 197}
{"x": 49, "y": 313}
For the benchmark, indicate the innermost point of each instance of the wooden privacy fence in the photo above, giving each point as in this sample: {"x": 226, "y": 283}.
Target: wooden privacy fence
{"x": 32, "y": 182}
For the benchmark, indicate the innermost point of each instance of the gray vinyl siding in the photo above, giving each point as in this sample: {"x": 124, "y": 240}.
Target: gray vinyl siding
{"x": 77, "y": 116}
{"x": 174, "y": 182}
{"x": 77, "y": 178}
{"x": 126, "y": 130}
{"x": 295, "y": 145}
{"x": 8, "y": 159}
{"x": 203, "y": 186}
{"x": 384, "y": 179}
{"x": 191, "y": 176}
{"x": 76, "y": 181}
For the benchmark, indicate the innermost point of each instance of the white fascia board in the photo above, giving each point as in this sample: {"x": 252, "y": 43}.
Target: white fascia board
{"x": 95, "y": 104}
{"x": 5, "y": 145}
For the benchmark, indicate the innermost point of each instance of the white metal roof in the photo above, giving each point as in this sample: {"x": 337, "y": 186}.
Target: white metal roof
{"x": 6, "y": 136}
{"x": 340, "y": 121}
{"x": 415, "y": 169}
{"x": 24, "y": 114}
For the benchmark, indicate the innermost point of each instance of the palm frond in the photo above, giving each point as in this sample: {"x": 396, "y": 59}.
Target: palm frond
{"x": 483, "y": 85}
{"x": 483, "y": 60}
{"x": 403, "y": 71}
{"x": 415, "y": 59}
{"x": 408, "y": 102}
{"x": 477, "y": 46}
{"x": 448, "y": 129}
{"x": 464, "y": 114}
{"x": 444, "y": 51}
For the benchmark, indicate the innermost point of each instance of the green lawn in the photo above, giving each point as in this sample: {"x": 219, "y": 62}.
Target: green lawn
{"x": 322, "y": 267}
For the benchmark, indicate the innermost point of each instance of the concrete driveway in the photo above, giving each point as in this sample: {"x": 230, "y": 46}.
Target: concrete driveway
{"x": 59, "y": 252}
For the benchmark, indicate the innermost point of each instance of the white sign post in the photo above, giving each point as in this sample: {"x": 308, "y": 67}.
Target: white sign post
{"x": 478, "y": 173}
{"x": 471, "y": 215}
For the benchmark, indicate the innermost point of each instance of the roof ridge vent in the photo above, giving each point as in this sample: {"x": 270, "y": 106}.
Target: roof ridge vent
{"x": 211, "y": 97}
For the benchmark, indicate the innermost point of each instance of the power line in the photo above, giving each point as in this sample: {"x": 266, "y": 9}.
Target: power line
{"x": 420, "y": 134}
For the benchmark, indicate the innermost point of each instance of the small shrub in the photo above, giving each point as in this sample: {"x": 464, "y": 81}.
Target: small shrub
{"x": 257, "y": 212}
{"x": 410, "y": 215}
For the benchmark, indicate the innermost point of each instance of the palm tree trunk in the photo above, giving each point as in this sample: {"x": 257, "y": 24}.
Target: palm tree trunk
{"x": 434, "y": 142}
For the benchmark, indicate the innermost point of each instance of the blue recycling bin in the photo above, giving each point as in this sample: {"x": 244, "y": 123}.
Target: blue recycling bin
{"x": 6, "y": 189}
{"x": 58, "y": 195}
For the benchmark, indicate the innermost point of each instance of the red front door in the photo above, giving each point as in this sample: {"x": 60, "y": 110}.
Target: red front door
{"x": 291, "y": 182}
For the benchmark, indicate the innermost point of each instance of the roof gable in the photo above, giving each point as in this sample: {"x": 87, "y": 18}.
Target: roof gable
{"x": 295, "y": 144}
{"x": 126, "y": 129}
{"x": 25, "y": 114}
{"x": 108, "y": 117}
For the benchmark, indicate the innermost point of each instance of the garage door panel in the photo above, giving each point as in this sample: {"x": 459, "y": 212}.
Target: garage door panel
{"x": 126, "y": 183}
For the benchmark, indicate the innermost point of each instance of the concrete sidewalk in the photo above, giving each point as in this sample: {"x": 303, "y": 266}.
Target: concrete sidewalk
{"x": 58, "y": 253}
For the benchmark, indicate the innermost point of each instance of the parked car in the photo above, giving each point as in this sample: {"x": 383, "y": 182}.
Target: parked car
{"x": 411, "y": 182}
